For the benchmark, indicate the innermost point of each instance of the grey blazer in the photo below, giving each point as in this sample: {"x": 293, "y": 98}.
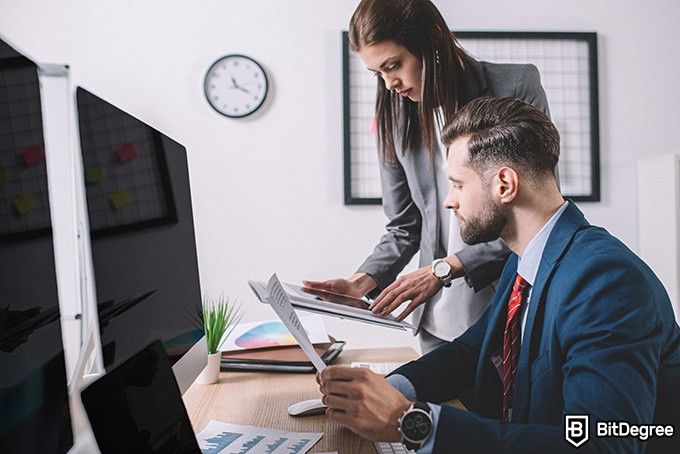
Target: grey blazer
{"x": 410, "y": 199}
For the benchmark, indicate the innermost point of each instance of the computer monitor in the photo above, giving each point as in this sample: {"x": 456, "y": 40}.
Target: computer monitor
{"x": 142, "y": 238}
{"x": 34, "y": 406}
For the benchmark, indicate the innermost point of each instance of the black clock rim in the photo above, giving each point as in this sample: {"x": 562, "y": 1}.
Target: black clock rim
{"x": 266, "y": 85}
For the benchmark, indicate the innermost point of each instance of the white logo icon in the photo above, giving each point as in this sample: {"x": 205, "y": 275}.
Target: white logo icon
{"x": 576, "y": 429}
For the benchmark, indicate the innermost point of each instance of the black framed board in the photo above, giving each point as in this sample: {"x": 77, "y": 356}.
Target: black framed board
{"x": 567, "y": 62}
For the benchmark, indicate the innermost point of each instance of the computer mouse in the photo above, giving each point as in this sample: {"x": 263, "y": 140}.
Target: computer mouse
{"x": 307, "y": 407}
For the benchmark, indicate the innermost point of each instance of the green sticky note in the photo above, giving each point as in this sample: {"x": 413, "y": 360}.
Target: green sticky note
{"x": 3, "y": 176}
{"x": 25, "y": 203}
{"x": 121, "y": 198}
{"x": 94, "y": 174}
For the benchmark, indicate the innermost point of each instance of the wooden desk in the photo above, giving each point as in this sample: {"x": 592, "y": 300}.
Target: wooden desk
{"x": 262, "y": 399}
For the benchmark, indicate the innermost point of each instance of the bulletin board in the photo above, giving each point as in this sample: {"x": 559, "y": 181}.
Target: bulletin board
{"x": 567, "y": 62}
{"x": 126, "y": 178}
{"x": 24, "y": 200}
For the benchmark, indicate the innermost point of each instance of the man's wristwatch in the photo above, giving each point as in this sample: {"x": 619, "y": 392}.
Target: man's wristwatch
{"x": 416, "y": 425}
{"x": 442, "y": 270}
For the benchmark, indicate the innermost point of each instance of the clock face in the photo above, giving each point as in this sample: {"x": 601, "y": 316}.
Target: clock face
{"x": 235, "y": 86}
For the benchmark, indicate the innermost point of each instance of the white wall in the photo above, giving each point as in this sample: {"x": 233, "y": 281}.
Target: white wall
{"x": 267, "y": 191}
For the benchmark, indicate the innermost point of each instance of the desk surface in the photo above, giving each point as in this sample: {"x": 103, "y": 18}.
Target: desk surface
{"x": 262, "y": 399}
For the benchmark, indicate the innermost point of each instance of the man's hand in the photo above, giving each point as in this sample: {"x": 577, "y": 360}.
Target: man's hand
{"x": 362, "y": 401}
{"x": 418, "y": 287}
{"x": 357, "y": 285}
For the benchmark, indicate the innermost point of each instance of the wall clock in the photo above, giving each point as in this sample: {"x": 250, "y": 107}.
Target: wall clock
{"x": 235, "y": 86}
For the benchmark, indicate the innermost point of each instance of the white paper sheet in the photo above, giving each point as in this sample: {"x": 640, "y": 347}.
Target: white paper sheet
{"x": 218, "y": 436}
{"x": 278, "y": 300}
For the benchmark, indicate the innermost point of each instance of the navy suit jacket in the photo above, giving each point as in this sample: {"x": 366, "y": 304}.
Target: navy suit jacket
{"x": 600, "y": 339}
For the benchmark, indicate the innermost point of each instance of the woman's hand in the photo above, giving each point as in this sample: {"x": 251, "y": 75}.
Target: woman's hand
{"x": 418, "y": 286}
{"x": 358, "y": 285}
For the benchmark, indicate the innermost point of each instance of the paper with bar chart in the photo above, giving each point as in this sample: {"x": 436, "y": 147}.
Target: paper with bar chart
{"x": 219, "y": 437}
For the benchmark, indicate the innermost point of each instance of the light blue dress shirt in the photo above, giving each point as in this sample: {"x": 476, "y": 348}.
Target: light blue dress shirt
{"x": 527, "y": 267}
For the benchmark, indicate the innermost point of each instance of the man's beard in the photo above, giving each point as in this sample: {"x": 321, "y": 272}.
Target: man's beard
{"x": 487, "y": 225}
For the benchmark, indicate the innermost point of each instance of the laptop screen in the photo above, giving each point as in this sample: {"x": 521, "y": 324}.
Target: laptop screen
{"x": 137, "y": 407}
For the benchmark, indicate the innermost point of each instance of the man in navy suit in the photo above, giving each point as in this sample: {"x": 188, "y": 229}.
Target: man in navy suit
{"x": 581, "y": 335}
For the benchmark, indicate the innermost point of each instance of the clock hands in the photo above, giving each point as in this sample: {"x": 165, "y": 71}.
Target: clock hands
{"x": 237, "y": 86}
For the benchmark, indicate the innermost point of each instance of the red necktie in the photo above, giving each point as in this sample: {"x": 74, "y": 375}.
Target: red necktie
{"x": 511, "y": 343}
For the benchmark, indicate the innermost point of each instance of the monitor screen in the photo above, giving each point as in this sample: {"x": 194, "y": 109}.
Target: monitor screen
{"x": 141, "y": 230}
{"x": 34, "y": 409}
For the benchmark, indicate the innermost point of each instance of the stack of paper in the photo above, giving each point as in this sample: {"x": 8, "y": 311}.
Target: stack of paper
{"x": 280, "y": 345}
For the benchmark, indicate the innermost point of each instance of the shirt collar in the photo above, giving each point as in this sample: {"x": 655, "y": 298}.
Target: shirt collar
{"x": 527, "y": 265}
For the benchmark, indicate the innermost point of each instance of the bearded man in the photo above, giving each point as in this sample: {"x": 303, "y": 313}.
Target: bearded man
{"x": 581, "y": 332}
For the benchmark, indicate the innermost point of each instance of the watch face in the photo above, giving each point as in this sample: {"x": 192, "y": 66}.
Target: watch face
{"x": 416, "y": 425}
{"x": 235, "y": 86}
{"x": 442, "y": 268}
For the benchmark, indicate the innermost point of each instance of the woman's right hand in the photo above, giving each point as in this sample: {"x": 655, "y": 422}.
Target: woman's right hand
{"x": 358, "y": 285}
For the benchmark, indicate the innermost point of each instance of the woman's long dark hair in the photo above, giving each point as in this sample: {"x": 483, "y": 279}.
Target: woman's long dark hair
{"x": 447, "y": 70}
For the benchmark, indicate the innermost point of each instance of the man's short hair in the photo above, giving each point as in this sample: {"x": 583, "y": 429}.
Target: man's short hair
{"x": 504, "y": 131}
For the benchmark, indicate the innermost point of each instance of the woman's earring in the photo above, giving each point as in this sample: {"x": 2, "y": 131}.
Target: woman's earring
{"x": 436, "y": 56}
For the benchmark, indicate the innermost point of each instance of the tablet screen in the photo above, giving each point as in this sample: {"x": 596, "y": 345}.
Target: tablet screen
{"x": 329, "y": 297}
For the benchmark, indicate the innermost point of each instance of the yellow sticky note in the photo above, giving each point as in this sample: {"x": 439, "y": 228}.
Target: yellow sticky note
{"x": 121, "y": 198}
{"x": 25, "y": 203}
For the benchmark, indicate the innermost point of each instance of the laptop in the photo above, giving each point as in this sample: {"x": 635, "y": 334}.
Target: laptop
{"x": 137, "y": 407}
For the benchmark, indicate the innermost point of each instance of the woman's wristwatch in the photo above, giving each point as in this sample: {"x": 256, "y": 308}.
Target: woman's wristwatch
{"x": 416, "y": 425}
{"x": 442, "y": 270}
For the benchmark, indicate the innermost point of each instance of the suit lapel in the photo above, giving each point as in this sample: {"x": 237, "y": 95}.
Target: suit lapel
{"x": 566, "y": 227}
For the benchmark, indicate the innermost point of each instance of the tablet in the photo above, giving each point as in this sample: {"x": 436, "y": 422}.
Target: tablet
{"x": 329, "y": 303}
{"x": 329, "y": 297}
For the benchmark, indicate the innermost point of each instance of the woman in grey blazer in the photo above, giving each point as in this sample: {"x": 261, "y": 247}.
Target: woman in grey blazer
{"x": 424, "y": 77}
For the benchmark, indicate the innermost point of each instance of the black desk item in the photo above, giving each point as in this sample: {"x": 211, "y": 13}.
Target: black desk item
{"x": 137, "y": 407}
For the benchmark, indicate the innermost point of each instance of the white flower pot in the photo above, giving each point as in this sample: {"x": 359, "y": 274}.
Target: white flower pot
{"x": 211, "y": 373}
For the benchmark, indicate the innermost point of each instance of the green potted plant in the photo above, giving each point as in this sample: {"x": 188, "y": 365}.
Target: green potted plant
{"x": 219, "y": 318}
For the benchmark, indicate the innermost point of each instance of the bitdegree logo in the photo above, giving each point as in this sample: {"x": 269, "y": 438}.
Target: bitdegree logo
{"x": 576, "y": 429}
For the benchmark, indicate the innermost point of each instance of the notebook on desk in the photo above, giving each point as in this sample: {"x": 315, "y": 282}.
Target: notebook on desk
{"x": 280, "y": 359}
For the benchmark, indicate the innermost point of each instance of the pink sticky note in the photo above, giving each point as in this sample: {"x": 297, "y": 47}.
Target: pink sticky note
{"x": 374, "y": 125}
{"x": 126, "y": 152}
{"x": 33, "y": 156}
